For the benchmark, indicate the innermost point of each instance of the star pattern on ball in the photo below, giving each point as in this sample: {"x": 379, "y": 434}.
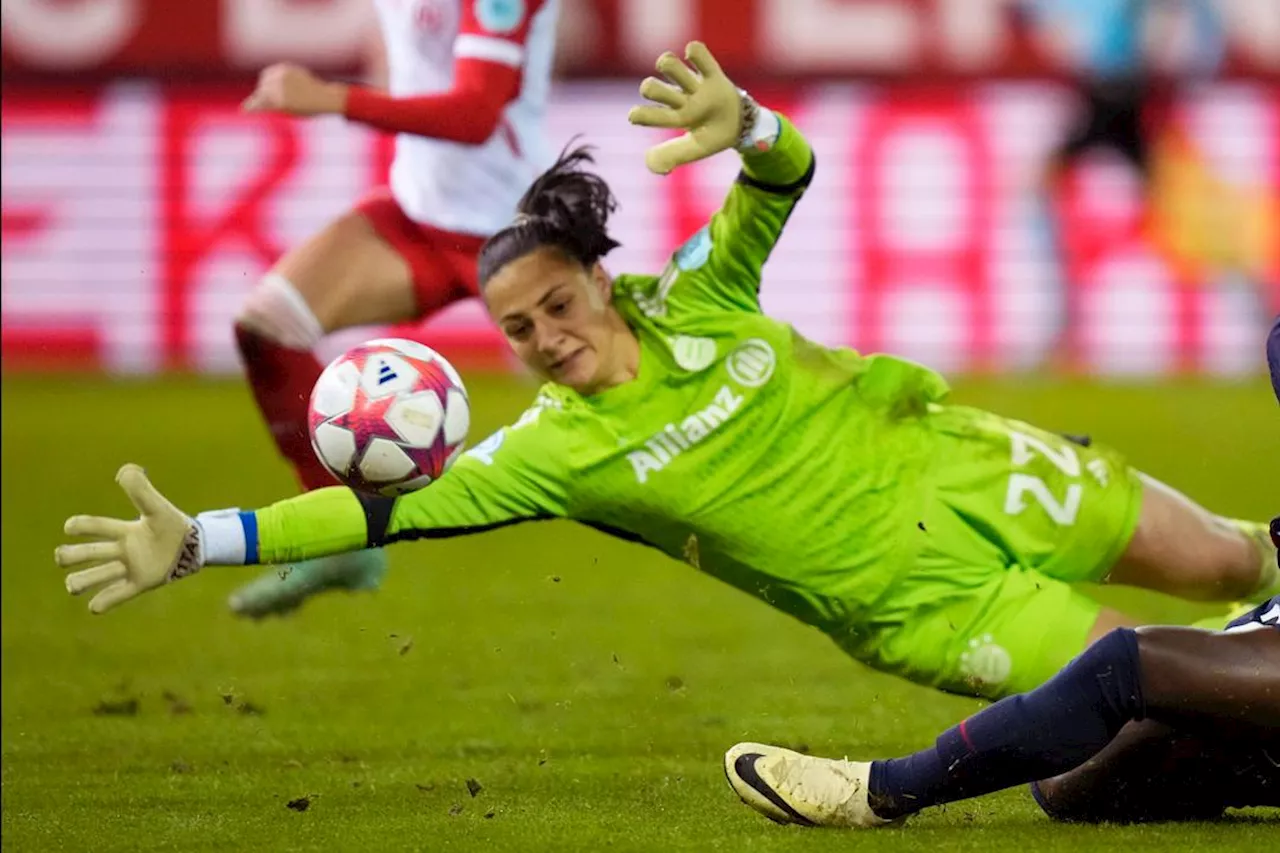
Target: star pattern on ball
{"x": 367, "y": 420}
{"x": 387, "y": 377}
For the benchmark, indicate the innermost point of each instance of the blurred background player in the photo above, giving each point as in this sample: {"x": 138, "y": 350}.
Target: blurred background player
{"x": 1124, "y": 56}
{"x": 1157, "y": 723}
{"x": 469, "y": 81}
{"x": 1117, "y": 48}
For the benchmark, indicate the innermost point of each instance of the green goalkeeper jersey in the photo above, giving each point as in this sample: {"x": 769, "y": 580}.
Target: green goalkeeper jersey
{"x": 791, "y": 470}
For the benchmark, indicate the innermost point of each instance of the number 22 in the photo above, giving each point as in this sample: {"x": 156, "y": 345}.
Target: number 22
{"x": 1024, "y": 448}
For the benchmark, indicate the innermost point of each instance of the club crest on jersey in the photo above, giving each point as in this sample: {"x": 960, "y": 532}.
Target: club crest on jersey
{"x": 985, "y": 663}
{"x": 752, "y": 363}
{"x": 692, "y": 354}
{"x": 500, "y": 16}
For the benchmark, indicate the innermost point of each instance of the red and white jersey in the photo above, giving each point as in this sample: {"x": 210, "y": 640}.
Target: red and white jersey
{"x": 471, "y": 189}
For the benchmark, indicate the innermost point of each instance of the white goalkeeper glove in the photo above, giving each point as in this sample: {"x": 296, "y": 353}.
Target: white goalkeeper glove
{"x": 714, "y": 113}
{"x": 131, "y": 557}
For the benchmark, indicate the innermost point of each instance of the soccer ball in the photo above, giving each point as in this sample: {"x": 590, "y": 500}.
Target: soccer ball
{"x": 389, "y": 416}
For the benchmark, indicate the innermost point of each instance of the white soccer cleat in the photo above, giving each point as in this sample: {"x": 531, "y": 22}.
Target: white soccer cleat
{"x": 788, "y": 787}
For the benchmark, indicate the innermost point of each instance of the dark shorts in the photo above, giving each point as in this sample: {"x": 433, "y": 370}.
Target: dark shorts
{"x": 1110, "y": 117}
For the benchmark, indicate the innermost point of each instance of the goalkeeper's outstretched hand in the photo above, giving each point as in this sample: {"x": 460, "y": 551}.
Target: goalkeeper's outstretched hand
{"x": 703, "y": 102}
{"x": 130, "y": 557}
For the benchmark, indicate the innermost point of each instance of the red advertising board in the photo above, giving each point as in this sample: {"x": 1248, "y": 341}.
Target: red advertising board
{"x": 137, "y": 217}
{"x": 941, "y": 38}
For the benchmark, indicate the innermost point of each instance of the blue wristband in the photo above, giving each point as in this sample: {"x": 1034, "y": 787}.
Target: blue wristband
{"x": 249, "y": 521}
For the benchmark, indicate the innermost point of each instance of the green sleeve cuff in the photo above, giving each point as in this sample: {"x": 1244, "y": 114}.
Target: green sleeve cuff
{"x": 787, "y": 167}
{"x": 316, "y": 524}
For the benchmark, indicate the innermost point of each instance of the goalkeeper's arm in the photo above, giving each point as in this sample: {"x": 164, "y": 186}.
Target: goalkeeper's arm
{"x": 777, "y": 162}
{"x": 337, "y": 520}
{"x": 127, "y": 558}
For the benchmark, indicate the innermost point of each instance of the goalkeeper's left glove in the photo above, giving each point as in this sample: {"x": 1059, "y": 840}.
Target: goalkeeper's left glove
{"x": 714, "y": 113}
{"x": 131, "y": 557}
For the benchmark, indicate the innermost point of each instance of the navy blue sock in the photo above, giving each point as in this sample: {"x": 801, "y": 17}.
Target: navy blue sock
{"x": 1035, "y": 735}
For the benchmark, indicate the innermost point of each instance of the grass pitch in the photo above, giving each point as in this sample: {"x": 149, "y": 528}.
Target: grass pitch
{"x": 535, "y": 688}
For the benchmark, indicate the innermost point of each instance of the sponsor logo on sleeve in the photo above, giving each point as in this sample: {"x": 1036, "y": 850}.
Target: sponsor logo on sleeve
{"x": 695, "y": 251}
{"x": 501, "y": 17}
{"x": 690, "y": 256}
{"x": 484, "y": 450}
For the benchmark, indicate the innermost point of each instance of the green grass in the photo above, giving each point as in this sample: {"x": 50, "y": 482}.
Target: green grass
{"x": 590, "y": 687}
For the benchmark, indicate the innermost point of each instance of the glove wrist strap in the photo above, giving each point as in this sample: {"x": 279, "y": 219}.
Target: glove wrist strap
{"x": 759, "y": 126}
{"x": 222, "y": 537}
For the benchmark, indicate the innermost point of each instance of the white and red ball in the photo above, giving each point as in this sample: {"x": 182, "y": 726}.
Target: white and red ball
{"x": 389, "y": 416}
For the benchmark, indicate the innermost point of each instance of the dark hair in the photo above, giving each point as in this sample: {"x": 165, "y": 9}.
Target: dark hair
{"x": 566, "y": 207}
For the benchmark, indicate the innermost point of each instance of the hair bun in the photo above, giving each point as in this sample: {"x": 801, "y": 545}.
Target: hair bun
{"x": 552, "y": 209}
{"x": 566, "y": 206}
{"x": 567, "y": 190}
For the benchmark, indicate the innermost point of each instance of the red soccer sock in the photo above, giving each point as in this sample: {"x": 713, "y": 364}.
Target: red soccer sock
{"x": 282, "y": 379}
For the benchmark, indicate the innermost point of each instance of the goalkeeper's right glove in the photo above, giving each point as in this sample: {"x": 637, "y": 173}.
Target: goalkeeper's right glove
{"x": 703, "y": 102}
{"x": 131, "y": 557}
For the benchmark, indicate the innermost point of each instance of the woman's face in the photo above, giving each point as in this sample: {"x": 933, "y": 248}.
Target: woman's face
{"x": 558, "y": 317}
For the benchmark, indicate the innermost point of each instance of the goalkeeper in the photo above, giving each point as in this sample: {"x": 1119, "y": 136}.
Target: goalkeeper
{"x": 930, "y": 540}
